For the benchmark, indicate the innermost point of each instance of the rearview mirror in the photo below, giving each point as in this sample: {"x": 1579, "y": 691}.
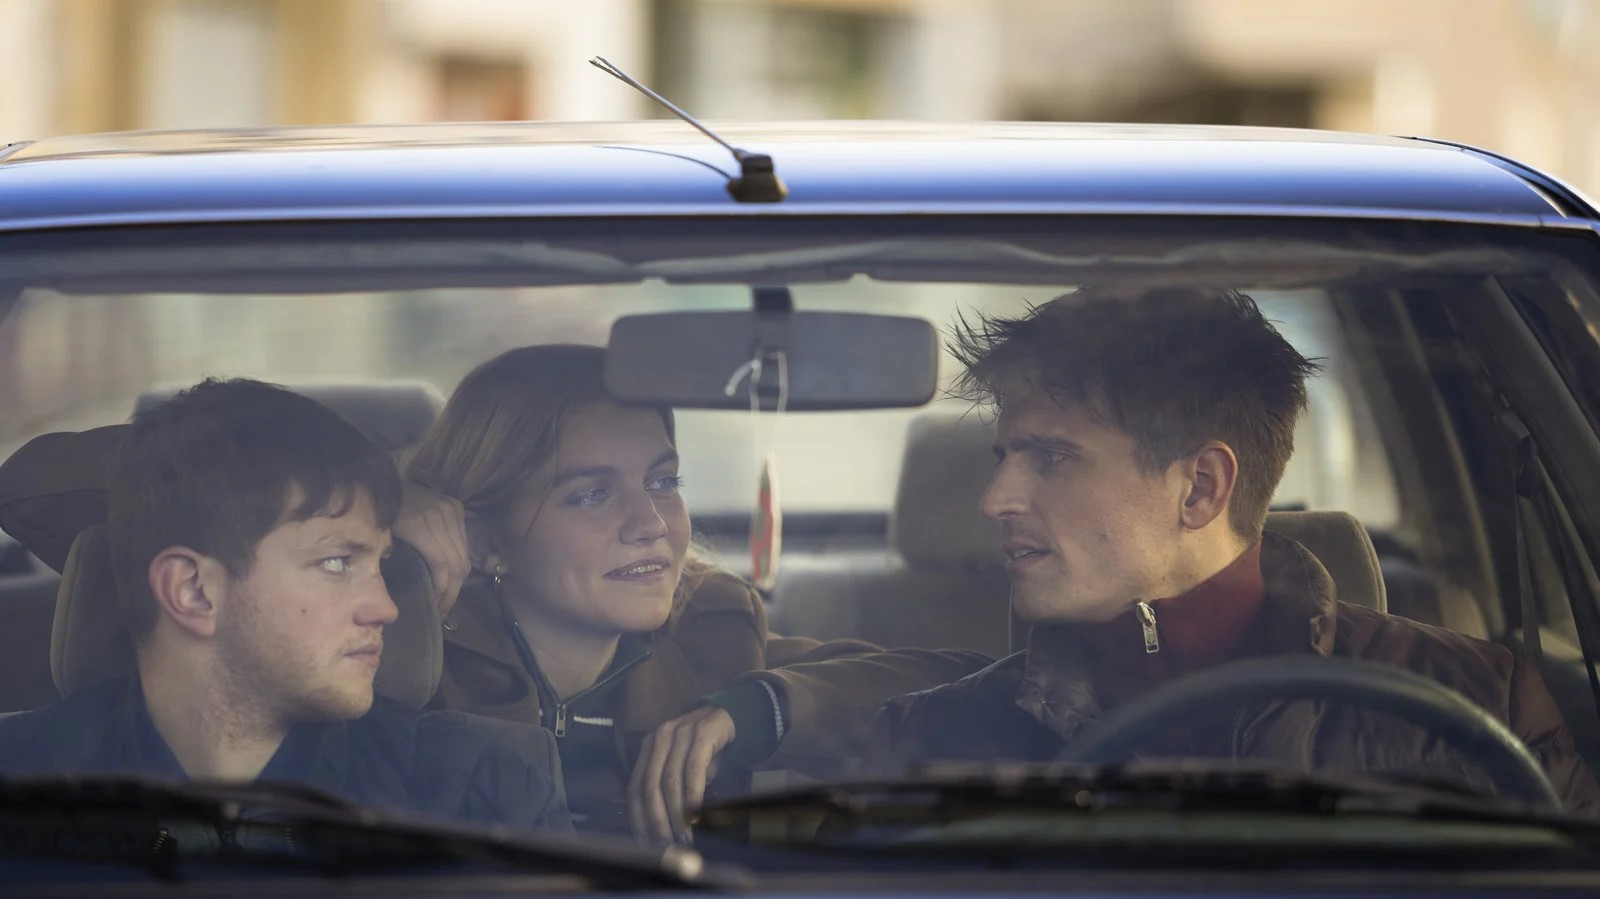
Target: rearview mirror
{"x": 808, "y": 360}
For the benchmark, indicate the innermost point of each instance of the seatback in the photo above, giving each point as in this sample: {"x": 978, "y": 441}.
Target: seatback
{"x": 89, "y": 642}
{"x": 942, "y": 583}
{"x": 27, "y": 607}
{"x": 393, "y": 414}
{"x": 1343, "y": 546}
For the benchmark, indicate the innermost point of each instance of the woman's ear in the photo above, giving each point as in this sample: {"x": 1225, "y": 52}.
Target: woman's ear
{"x": 187, "y": 587}
{"x": 481, "y": 546}
{"x": 1213, "y": 474}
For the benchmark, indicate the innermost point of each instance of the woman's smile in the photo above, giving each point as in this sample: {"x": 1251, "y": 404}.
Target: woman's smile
{"x": 644, "y": 571}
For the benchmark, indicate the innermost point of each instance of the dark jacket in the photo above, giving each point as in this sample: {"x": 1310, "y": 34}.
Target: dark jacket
{"x": 1031, "y": 705}
{"x": 814, "y": 719}
{"x": 441, "y": 764}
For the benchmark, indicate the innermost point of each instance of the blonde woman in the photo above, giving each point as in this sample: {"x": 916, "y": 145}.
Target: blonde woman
{"x": 587, "y": 610}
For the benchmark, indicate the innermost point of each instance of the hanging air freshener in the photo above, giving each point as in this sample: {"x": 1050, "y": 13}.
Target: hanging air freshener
{"x": 766, "y": 527}
{"x": 766, "y": 521}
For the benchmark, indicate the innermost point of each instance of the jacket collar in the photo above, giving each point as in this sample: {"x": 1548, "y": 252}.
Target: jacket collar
{"x": 312, "y": 754}
{"x": 478, "y": 623}
{"x": 662, "y": 679}
{"x": 1298, "y": 613}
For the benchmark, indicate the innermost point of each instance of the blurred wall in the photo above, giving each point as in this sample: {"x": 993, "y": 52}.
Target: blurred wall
{"x": 1517, "y": 76}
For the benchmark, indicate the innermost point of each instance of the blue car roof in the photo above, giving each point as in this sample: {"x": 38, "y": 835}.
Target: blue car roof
{"x": 666, "y": 168}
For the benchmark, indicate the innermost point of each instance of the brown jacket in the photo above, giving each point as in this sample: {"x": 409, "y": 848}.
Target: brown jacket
{"x": 1031, "y": 705}
{"x": 716, "y": 639}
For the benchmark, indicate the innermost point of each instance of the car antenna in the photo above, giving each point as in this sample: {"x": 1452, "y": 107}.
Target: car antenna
{"x": 758, "y": 181}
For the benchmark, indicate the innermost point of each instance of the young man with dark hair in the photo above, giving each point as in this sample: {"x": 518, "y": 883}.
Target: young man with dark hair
{"x": 246, "y": 525}
{"x": 1140, "y": 440}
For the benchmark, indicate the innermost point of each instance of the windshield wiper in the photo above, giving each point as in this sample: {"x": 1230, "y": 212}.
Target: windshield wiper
{"x": 160, "y": 826}
{"x": 945, "y": 794}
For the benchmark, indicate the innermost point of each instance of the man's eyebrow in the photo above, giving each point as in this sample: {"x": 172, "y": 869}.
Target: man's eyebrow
{"x": 1038, "y": 441}
{"x": 347, "y": 547}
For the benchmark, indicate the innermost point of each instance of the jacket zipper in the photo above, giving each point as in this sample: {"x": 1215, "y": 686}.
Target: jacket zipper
{"x": 1152, "y": 644}
{"x": 561, "y": 707}
{"x": 559, "y": 714}
{"x": 162, "y": 836}
{"x": 1147, "y": 621}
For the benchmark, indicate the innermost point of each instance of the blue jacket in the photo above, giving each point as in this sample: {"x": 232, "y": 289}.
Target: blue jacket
{"x": 448, "y": 765}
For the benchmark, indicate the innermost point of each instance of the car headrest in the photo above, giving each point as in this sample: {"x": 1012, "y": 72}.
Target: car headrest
{"x": 89, "y": 642}
{"x": 1343, "y": 546}
{"x": 393, "y": 415}
{"x": 948, "y": 460}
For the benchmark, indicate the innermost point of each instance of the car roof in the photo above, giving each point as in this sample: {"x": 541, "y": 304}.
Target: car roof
{"x": 667, "y": 168}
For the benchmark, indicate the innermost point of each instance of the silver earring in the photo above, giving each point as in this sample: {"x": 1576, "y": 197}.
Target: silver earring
{"x": 499, "y": 576}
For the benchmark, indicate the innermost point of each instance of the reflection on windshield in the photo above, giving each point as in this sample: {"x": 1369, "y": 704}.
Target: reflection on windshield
{"x": 442, "y": 573}
{"x": 435, "y": 337}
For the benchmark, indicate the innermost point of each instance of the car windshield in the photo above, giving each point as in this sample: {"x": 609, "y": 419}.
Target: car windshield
{"x": 637, "y": 611}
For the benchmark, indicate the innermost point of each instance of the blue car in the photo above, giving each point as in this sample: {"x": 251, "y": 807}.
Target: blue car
{"x": 824, "y": 315}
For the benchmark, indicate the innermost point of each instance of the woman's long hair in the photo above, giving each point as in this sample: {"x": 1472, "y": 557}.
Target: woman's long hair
{"x": 504, "y": 423}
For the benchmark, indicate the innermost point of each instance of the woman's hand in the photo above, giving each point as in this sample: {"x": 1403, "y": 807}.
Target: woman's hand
{"x": 436, "y": 525}
{"x": 669, "y": 781}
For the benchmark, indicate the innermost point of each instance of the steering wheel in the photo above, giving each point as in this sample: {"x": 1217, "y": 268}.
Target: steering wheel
{"x": 1383, "y": 688}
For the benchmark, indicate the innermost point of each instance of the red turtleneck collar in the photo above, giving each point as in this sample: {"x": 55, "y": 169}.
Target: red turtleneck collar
{"x": 1209, "y": 624}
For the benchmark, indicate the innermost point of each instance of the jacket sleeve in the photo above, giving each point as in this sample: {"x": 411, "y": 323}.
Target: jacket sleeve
{"x": 828, "y": 692}
{"x": 830, "y": 702}
{"x": 884, "y": 754}
{"x": 55, "y": 486}
{"x": 1537, "y": 721}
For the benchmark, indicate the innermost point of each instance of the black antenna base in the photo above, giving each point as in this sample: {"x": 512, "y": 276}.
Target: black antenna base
{"x": 758, "y": 181}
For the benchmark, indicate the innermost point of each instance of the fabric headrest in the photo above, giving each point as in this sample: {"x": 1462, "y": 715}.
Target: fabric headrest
{"x": 89, "y": 642}
{"x": 1343, "y": 546}
{"x": 392, "y": 415}
{"x": 945, "y": 471}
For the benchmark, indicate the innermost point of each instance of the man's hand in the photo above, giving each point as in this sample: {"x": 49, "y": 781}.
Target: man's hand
{"x": 436, "y": 525}
{"x": 669, "y": 781}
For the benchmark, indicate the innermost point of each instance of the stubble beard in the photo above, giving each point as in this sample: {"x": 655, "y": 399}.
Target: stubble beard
{"x": 268, "y": 687}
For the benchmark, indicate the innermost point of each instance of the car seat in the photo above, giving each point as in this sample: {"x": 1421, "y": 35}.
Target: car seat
{"x": 27, "y": 607}
{"x": 941, "y": 584}
{"x": 89, "y": 642}
{"x": 393, "y": 414}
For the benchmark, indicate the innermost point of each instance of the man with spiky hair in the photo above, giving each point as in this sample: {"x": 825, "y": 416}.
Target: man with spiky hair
{"x": 1140, "y": 439}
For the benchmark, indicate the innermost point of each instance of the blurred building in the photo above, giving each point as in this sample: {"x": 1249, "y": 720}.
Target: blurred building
{"x": 1518, "y": 76}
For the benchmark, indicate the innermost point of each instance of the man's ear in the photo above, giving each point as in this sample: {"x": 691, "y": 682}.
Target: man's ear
{"x": 1212, "y": 475}
{"x": 187, "y": 586}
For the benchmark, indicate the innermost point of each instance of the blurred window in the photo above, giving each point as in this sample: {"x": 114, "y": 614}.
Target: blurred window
{"x": 474, "y": 89}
